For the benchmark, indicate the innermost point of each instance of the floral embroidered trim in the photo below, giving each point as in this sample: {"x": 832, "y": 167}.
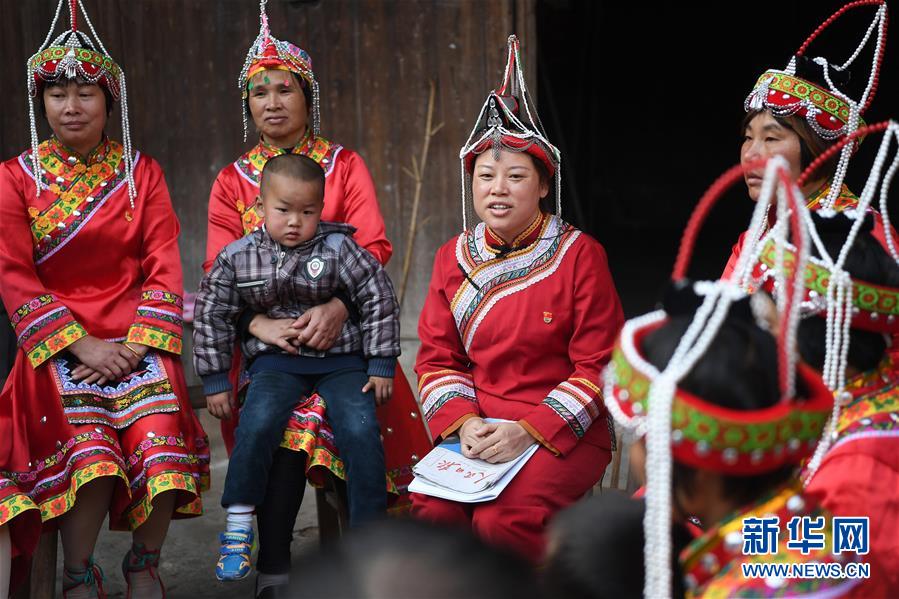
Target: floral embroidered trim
{"x": 55, "y": 343}
{"x": 323, "y": 151}
{"x": 42, "y": 322}
{"x": 59, "y": 505}
{"x": 116, "y": 404}
{"x": 161, "y": 295}
{"x": 81, "y": 189}
{"x": 155, "y": 337}
{"x": 30, "y": 306}
{"x": 14, "y": 505}
{"x": 161, "y": 315}
{"x": 140, "y": 510}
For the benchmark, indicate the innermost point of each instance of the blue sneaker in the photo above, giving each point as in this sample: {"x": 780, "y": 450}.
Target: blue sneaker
{"x": 234, "y": 560}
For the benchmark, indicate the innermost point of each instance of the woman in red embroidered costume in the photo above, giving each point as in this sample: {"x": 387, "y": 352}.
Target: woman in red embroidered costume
{"x": 727, "y": 417}
{"x": 800, "y": 111}
{"x": 518, "y": 322}
{"x": 96, "y": 405}
{"x": 280, "y": 92}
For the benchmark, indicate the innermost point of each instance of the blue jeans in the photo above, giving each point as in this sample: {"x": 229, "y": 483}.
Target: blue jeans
{"x": 270, "y": 400}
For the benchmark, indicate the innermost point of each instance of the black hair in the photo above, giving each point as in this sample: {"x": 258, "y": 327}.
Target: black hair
{"x": 866, "y": 261}
{"x": 739, "y": 371}
{"x": 411, "y": 558}
{"x": 77, "y": 80}
{"x": 599, "y": 550}
{"x": 295, "y": 166}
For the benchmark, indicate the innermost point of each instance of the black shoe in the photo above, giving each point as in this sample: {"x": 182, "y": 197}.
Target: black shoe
{"x": 278, "y": 591}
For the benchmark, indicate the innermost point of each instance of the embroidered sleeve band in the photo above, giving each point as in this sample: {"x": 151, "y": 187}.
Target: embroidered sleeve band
{"x": 574, "y": 404}
{"x": 441, "y": 387}
{"x": 158, "y": 323}
{"x": 44, "y": 326}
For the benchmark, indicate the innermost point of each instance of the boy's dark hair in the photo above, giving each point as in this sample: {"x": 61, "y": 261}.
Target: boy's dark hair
{"x": 739, "y": 371}
{"x": 866, "y": 261}
{"x": 77, "y": 80}
{"x": 295, "y": 166}
{"x": 411, "y": 558}
{"x": 599, "y": 551}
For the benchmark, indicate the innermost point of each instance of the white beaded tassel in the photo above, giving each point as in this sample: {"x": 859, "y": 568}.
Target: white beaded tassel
{"x": 31, "y": 88}
{"x": 126, "y": 126}
{"x": 693, "y": 345}
{"x": 748, "y": 257}
{"x": 839, "y": 299}
{"x": 879, "y": 22}
{"x": 891, "y": 132}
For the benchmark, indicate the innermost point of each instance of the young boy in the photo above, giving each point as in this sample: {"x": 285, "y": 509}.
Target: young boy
{"x": 293, "y": 263}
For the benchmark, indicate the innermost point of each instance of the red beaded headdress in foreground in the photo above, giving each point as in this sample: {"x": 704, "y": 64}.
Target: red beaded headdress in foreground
{"x": 680, "y": 426}
{"x": 74, "y": 55}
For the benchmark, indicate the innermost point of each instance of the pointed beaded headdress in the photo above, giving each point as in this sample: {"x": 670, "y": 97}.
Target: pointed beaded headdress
{"x": 268, "y": 52}
{"x": 73, "y": 54}
{"x": 509, "y": 121}
{"x": 681, "y": 426}
{"x": 830, "y": 112}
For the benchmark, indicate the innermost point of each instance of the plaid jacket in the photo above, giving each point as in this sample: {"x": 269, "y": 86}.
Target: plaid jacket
{"x": 257, "y": 273}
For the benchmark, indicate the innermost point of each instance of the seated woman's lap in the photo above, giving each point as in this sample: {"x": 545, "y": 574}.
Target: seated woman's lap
{"x": 517, "y": 519}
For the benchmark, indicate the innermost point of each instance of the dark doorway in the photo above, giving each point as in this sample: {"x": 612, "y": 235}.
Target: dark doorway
{"x": 645, "y": 102}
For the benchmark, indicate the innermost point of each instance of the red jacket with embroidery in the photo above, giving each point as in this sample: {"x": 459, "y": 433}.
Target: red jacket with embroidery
{"x": 132, "y": 288}
{"x": 860, "y": 472}
{"x": 521, "y": 337}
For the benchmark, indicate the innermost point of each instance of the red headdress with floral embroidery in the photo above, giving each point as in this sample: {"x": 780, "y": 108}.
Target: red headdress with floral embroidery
{"x": 74, "y": 55}
{"x": 828, "y": 110}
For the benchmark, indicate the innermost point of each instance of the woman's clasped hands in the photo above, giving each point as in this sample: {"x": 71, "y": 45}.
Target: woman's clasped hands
{"x": 493, "y": 442}
{"x": 103, "y": 361}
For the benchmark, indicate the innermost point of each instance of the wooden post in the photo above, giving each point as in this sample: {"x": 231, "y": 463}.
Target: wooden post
{"x": 42, "y": 582}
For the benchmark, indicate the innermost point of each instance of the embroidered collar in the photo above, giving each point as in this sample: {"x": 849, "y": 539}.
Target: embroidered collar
{"x": 71, "y": 157}
{"x": 874, "y": 409}
{"x": 844, "y": 201}
{"x": 497, "y": 244}
{"x": 80, "y": 188}
{"x": 318, "y": 148}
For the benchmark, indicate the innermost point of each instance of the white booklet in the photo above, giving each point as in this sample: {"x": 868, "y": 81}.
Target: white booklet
{"x": 444, "y": 472}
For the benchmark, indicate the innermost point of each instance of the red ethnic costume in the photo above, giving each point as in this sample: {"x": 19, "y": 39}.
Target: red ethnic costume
{"x": 349, "y": 198}
{"x": 829, "y": 112}
{"x": 89, "y": 246}
{"x": 701, "y": 434}
{"x": 519, "y": 332}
